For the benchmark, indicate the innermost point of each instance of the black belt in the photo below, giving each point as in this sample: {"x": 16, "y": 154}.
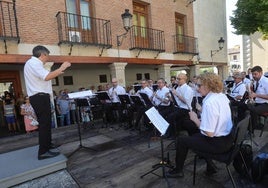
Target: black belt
{"x": 41, "y": 94}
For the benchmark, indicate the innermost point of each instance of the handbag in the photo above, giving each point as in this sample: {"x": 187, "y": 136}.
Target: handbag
{"x": 34, "y": 122}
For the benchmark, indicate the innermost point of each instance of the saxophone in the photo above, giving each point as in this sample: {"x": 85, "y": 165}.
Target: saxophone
{"x": 250, "y": 100}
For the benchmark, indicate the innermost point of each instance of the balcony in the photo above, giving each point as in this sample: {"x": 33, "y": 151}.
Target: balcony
{"x": 143, "y": 38}
{"x": 185, "y": 44}
{"x": 8, "y": 22}
{"x": 85, "y": 30}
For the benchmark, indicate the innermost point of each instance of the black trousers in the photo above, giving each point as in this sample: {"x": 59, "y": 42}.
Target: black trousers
{"x": 42, "y": 107}
{"x": 255, "y": 110}
{"x": 202, "y": 143}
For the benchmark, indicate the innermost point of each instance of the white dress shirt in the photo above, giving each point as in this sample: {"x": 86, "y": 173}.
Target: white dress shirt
{"x": 262, "y": 89}
{"x": 160, "y": 96}
{"x": 114, "y": 92}
{"x": 34, "y": 75}
{"x": 187, "y": 93}
{"x": 238, "y": 89}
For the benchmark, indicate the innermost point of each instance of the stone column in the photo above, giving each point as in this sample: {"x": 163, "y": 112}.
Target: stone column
{"x": 118, "y": 71}
{"x": 194, "y": 70}
{"x": 164, "y": 72}
{"x": 223, "y": 71}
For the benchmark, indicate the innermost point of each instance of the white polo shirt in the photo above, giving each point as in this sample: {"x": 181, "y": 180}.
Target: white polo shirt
{"x": 216, "y": 115}
{"x": 34, "y": 75}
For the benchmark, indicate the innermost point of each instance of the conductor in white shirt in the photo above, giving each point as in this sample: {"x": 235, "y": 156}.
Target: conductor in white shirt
{"x": 39, "y": 89}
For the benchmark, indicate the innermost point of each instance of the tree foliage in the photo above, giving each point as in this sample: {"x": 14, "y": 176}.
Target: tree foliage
{"x": 251, "y": 16}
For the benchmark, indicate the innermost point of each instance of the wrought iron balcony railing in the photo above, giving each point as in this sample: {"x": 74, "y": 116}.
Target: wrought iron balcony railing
{"x": 143, "y": 38}
{"x": 8, "y": 21}
{"x": 74, "y": 28}
{"x": 185, "y": 44}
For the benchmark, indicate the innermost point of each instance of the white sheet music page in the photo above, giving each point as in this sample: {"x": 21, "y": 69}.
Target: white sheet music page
{"x": 80, "y": 94}
{"x": 157, "y": 120}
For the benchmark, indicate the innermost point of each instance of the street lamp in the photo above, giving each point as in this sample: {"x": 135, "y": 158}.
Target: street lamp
{"x": 126, "y": 18}
{"x": 221, "y": 43}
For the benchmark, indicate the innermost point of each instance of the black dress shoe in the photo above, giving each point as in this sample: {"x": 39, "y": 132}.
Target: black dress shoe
{"x": 174, "y": 173}
{"x": 53, "y": 146}
{"x": 48, "y": 154}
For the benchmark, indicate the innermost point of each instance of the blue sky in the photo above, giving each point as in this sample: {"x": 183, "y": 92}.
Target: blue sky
{"x": 232, "y": 38}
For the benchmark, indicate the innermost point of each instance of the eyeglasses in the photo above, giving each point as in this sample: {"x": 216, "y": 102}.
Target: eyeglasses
{"x": 179, "y": 78}
{"x": 198, "y": 85}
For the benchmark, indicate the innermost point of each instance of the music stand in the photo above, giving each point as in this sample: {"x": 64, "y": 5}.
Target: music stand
{"x": 79, "y": 102}
{"x": 137, "y": 88}
{"x": 155, "y": 87}
{"x": 229, "y": 83}
{"x": 103, "y": 95}
{"x": 136, "y": 100}
{"x": 162, "y": 125}
{"x": 173, "y": 98}
{"x": 124, "y": 99}
{"x": 146, "y": 99}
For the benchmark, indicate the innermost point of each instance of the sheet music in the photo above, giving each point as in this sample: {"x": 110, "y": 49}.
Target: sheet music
{"x": 158, "y": 121}
{"x": 80, "y": 94}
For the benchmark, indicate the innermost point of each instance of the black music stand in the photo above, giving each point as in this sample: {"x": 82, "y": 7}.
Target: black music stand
{"x": 103, "y": 95}
{"x": 125, "y": 102}
{"x": 157, "y": 119}
{"x": 173, "y": 98}
{"x": 146, "y": 99}
{"x": 155, "y": 87}
{"x": 137, "y": 88}
{"x": 83, "y": 102}
{"x": 136, "y": 100}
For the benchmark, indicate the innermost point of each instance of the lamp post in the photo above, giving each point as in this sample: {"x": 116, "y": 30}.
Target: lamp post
{"x": 126, "y": 18}
{"x": 221, "y": 43}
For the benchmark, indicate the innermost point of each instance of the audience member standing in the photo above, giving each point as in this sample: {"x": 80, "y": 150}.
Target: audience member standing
{"x": 10, "y": 113}
{"x": 64, "y": 106}
{"x": 39, "y": 89}
{"x": 29, "y": 115}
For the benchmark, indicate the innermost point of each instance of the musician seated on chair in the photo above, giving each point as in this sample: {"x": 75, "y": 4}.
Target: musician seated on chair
{"x": 238, "y": 90}
{"x": 161, "y": 99}
{"x": 215, "y": 125}
{"x": 115, "y": 112}
{"x": 183, "y": 95}
{"x": 141, "y": 109}
{"x": 258, "y": 97}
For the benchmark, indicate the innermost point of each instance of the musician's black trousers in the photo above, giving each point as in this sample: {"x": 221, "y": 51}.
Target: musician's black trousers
{"x": 255, "y": 110}
{"x": 202, "y": 143}
{"x": 42, "y": 107}
{"x": 176, "y": 119}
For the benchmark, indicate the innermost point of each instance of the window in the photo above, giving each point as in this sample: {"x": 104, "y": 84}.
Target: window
{"x": 80, "y": 19}
{"x": 180, "y": 31}
{"x": 103, "y": 78}
{"x": 234, "y": 57}
{"x": 147, "y": 76}
{"x": 138, "y": 76}
{"x": 68, "y": 80}
{"x": 79, "y": 7}
{"x": 140, "y": 19}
